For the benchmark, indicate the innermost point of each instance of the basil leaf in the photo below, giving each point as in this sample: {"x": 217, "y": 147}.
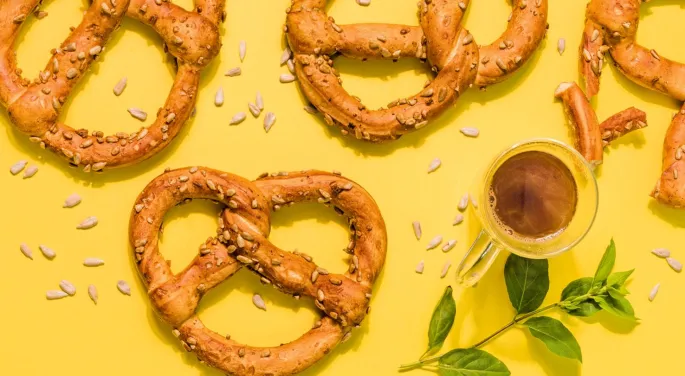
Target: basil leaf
{"x": 441, "y": 322}
{"x": 527, "y": 282}
{"x": 471, "y": 362}
{"x": 577, "y": 288}
{"x": 555, "y": 336}
{"x": 614, "y": 292}
{"x": 607, "y": 263}
{"x": 617, "y": 306}
{"x": 585, "y": 309}
{"x": 619, "y": 278}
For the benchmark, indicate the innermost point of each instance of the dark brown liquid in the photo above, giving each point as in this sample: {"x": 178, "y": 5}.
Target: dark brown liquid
{"x": 533, "y": 194}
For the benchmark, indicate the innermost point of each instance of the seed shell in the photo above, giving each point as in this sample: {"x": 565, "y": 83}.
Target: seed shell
{"x": 419, "y": 267}
{"x": 18, "y": 167}
{"x": 238, "y": 118}
{"x": 464, "y": 202}
{"x": 458, "y": 219}
{"x": 47, "y": 252}
{"x": 55, "y": 294}
{"x": 445, "y": 269}
{"x": 124, "y": 288}
{"x": 662, "y": 252}
{"x": 93, "y": 262}
{"x": 655, "y": 290}
{"x": 470, "y": 131}
{"x": 233, "y": 72}
{"x": 269, "y": 121}
{"x": 417, "y": 229}
{"x": 434, "y": 165}
{"x": 286, "y": 78}
{"x": 88, "y": 223}
{"x": 242, "y": 49}
{"x": 258, "y": 302}
{"x": 67, "y": 287}
{"x": 434, "y": 242}
{"x": 93, "y": 293}
{"x": 674, "y": 264}
{"x": 219, "y": 97}
{"x": 26, "y": 250}
{"x": 120, "y": 86}
{"x": 71, "y": 201}
{"x": 449, "y": 245}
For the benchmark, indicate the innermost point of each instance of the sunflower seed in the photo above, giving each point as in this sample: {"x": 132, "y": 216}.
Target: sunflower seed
{"x": 291, "y": 66}
{"x": 71, "y": 201}
{"x": 93, "y": 262}
{"x": 269, "y": 121}
{"x": 286, "y": 55}
{"x": 71, "y": 73}
{"x": 459, "y": 218}
{"x": 417, "y": 229}
{"x": 310, "y": 109}
{"x": 120, "y": 86}
{"x": 26, "y": 250}
{"x": 470, "y": 131}
{"x": 434, "y": 242}
{"x": 219, "y": 97}
{"x": 364, "y": 2}
{"x": 233, "y": 72}
{"x": 286, "y": 77}
{"x": 434, "y": 165}
{"x": 138, "y": 113}
{"x": 41, "y": 14}
{"x": 464, "y": 202}
{"x": 55, "y": 294}
{"x": 88, "y": 223}
{"x": 662, "y": 252}
{"x": 32, "y": 170}
{"x": 419, "y": 267}
{"x": 237, "y": 118}
{"x": 67, "y": 287}
{"x": 449, "y": 245}
{"x": 258, "y": 301}
{"x": 462, "y": 5}
{"x": 254, "y": 110}
{"x": 474, "y": 202}
{"x": 445, "y": 269}
{"x": 124, "y": 288}
{"x": 674, "y": 264}
{"x": 561, "y": 46}
{"x": 93, "y": 293}
{"x": 18, "y": 167}
{"x": 655, "y": 290}
{"x": 242, "y": 49}
{"x": 47, "y": 252}
{"x": 259, "y": 101}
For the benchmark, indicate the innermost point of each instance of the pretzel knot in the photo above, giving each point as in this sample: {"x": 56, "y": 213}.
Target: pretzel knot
{"x": 458, "y": 60}
{"x": 242, "y": 240}
{"x": 611, "y": 26}
{"x": 34, "y": 106}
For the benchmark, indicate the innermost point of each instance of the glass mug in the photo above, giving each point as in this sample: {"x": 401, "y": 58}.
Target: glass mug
{"x": 494, "y": 237}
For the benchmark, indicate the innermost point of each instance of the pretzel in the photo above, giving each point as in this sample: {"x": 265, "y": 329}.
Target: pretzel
{"x": 34, "y": 106}
{"x": 242, "y": 240}
{"x": 458, "y": 61}
{"x": 611, "y": 25}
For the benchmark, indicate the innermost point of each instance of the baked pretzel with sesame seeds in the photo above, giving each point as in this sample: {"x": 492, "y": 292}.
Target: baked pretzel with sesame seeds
{"x": 34, "y": 107}
{"x": 459, "y": 62}
{"x": 611, "y": 26}
{"x": 242, "y": 240}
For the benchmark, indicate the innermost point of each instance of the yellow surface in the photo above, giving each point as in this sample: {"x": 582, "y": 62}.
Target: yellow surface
{"x": 121, "y": 336}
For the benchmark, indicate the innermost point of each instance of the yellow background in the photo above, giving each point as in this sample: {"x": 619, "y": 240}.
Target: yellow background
{"x": 121, "y": 336}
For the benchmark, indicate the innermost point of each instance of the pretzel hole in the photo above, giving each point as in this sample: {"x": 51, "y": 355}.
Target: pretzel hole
{"x": 487, "y": 20}
{"x": 654, "y": 23}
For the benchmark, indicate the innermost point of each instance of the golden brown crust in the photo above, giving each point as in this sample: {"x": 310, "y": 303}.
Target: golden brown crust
{"x": 622, "y": 123}
{"x": 450, "y": 49}
{"x": 591, "y": 58}
{"x": 243, "y": 236}
{"x": 584, "y": 120}
{"x": 34, "y": 107}
{"x": 670, "y": 189}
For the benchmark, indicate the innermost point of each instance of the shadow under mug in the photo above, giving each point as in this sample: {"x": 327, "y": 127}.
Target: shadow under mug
{"x": 493, "y": 238}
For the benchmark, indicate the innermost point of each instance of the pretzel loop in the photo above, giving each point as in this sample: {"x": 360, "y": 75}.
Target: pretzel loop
{"x": 243, "y": 236}
{"x": 34, "y": 107}
{"x": 450, "y": 49}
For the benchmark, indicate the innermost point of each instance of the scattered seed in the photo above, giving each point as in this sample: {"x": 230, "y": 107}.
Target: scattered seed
{"x": 445, "y": 269}
{"x": 238, "y": 118}
{"x": 470, "y": 131}
{"x": 67, "y": 287}
{"x": 242, "y": 49}
{"x": 120, "y": 86}
{"x": 464, "y": 202}
{"x": 41, "y": 14}
{"x": 18, "y": 167}
{"x": 55, "y": 294}
{"x": 434, "y": 242}
{"x": 434, "y": 165}
{"x": 291, "y": 66}
{"x": 93, "y": 293}
{"x": 459, "y": 218}
{"x": 71, "y": 201}
{"x": 219, "y": 97}
{"x": 364, "y": 2}
{"x": 286, "y": 55}
{"x": 449, "y": 245}
{"x": 32, "y": 170}
{"x": 88, "y": 223}
{"x": 47, "y": 252}
{"x": 138, "y": 113}
{"x": 93, "y": 262}
{"x": 26, "y": 250}
{"x": 254, "y": 110}
{"x": 655, "y": 290}
{"x": 419, "y": 267}
{"x": 286, "y": 78}
{"x": 269, "y": 121}
{"x": 474, "y": 202}
{"x": 417, "y": 229}
{"x": 233, "y": 72}
{"x": 310, "y": 109}
{"x": 561, "y": 46}
{"x": 662, "y": 252}
{"x": 259, "y": 101}
{"x": 124, "y": 288}
{"x": 674, "y": 264}
{"x": 258, "y": 302}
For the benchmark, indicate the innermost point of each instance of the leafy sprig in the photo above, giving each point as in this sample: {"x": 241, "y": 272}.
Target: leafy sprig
{"x": 527, "y": 285}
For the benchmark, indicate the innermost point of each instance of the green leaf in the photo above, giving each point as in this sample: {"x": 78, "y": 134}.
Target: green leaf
{"x": 576, "y": 288}
{"x": 527, "y": 282}
{"x": 586, "y": 307}
{"x": 607, "y": 263}
{"x": 617, "y": 306}
{"x": 471, "y": 362}
{"x": 555, "y": 336}
{"x": 619, "y": 278}
{"x": 441, "y": 322}
{"x": 614, "y": 292}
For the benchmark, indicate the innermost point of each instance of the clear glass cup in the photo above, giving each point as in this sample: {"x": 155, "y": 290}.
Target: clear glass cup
{"x": 493, "y": 238}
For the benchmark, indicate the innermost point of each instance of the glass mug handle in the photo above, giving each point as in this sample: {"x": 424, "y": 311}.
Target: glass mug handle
{"x": 477, "y": 260}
